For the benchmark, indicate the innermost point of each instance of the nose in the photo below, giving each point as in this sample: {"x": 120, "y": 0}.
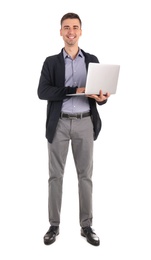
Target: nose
{"x": 71, "y": 30}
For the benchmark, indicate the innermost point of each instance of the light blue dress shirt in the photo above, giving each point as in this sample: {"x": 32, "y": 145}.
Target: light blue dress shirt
{"x": 75, "y": 75}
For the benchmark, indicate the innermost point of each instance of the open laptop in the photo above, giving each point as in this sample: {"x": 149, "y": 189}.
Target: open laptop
{"x": 101, "y": 77}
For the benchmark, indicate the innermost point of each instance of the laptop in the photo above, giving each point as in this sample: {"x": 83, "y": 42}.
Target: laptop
{"x": 100, "y": 77}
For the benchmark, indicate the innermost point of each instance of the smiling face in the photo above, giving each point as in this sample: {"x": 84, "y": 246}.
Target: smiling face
{"x": 70, "y": 32}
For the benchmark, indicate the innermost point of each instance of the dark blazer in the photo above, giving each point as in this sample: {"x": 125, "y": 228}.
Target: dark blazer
{"x": 51, "y": 88}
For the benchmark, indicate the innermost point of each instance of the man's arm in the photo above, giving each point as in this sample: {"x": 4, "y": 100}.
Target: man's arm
{"x": 46, "y": 88}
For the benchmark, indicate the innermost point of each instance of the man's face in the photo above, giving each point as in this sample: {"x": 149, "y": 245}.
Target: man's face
{"x": 71, "y": 31}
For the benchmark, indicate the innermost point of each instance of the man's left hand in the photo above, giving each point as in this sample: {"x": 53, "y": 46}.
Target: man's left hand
{"x": 101, "y": 97}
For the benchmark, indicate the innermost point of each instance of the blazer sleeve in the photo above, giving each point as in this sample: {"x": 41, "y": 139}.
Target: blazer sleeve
{"x": 51, "y": 83}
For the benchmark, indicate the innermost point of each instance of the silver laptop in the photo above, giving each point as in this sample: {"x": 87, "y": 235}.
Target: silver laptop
{"x": 101, "y": 77}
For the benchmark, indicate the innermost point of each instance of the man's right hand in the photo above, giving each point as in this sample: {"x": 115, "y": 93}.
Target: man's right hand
{"x": 80, "y": 90}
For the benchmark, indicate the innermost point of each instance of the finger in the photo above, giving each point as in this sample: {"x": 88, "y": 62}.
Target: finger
{"x": 101, "y": 93}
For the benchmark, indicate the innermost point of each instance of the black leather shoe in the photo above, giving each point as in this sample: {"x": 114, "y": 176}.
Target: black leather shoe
{"x": 91, "y": 237}
{"x": 50, "y": 236}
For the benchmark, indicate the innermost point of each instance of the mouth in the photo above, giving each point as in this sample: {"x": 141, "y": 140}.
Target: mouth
{"x": 71, "y": 37}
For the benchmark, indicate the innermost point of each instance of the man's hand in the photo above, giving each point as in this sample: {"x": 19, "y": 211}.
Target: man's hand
{"x": 80, "y": 90}
{"x": 101, "y": 97}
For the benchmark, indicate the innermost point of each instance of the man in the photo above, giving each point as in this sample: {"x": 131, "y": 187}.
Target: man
{"x": 70, "y": 119}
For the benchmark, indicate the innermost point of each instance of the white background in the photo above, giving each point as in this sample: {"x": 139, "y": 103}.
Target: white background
{"x": 116, "y": 32}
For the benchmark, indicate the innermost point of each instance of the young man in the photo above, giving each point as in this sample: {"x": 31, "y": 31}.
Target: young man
{"x": 70, "y": 119}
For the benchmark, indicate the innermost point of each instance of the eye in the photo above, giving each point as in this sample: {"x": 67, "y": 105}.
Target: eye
{"x": 66, "y": 27}
{"x": 75, "y": 27}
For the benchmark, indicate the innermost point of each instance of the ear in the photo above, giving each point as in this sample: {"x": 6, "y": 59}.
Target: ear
{"x": 81, "y": 32}
{"x": 60, "y": 32}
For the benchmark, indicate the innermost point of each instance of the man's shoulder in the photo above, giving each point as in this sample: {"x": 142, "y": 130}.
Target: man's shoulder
{"x": 90, "y": 56}
{"x": 54, "y": 58}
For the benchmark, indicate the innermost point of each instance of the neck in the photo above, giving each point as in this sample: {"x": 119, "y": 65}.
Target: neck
{"x": 72, "y": 51}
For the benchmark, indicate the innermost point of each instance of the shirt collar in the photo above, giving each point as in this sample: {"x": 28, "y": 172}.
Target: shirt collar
{"x": 66, "y": 55}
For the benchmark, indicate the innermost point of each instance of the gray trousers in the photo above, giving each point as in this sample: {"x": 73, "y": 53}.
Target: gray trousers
{"x": 80, "y": 133}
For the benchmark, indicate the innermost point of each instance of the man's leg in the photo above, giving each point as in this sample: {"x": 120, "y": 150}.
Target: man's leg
{"x": 82, "y": 146}
{"x": 57, "y": 158}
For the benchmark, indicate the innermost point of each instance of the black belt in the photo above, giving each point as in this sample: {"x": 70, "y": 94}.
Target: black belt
{"x": 74, "y": 116}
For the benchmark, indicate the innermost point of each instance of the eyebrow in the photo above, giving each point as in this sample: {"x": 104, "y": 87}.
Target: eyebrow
{"x": 67, "y": 26}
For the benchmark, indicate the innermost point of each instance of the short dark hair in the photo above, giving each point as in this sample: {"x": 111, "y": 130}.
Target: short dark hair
{"x": 71, "y": 16}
